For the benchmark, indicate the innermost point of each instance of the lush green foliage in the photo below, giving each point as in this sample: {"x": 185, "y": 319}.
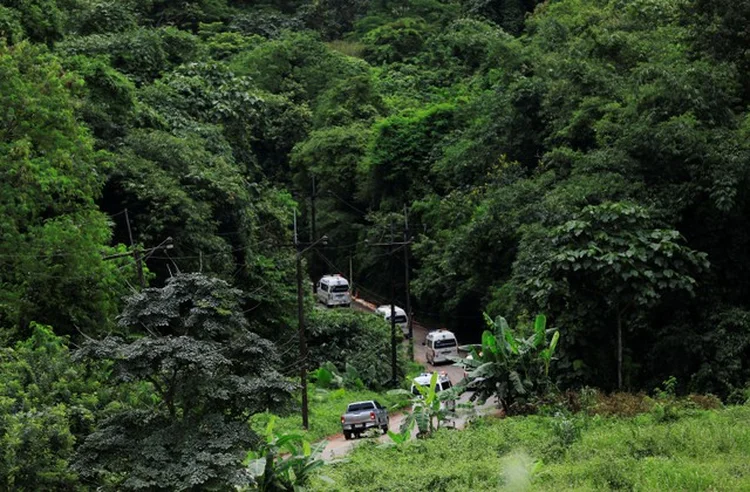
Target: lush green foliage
{"x": 490, "y": 138}
{"x": 53, "y": 236}
{"x": 584, "y": 158}
{"x": 46, "y": 402}
{"x": 510, "y": 367}
{"x": 354, "y": 342}
{"x": 700, "y": 450}
{"x": 612, "y": 257}
{"x": 283, "y": 461}
{"x": 208, "y": 373}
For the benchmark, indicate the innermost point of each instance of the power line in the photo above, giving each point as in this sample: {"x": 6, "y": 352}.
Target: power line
{"x": 363, "y": 213}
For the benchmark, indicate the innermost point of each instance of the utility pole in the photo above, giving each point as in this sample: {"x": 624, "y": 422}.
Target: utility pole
{"x": 301, "y": 328}
{"x": 136, "y": 254}
{"x": 301, "y": 319}
{"x": 314, "y": 232}
{"x": 409, "y": 315}
{"x": 394, "y": 361}
{"x": 392, "y": 249}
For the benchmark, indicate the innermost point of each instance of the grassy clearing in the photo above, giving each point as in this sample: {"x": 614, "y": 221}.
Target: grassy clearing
{"x": 326, "y": 407}
{"x": 700, "y": 450}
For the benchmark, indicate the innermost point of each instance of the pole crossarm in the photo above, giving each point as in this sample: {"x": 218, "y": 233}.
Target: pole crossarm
{"x": 166, "y": 244}
{"x": 397, "y": 243}
{"x": 323, "y": 240}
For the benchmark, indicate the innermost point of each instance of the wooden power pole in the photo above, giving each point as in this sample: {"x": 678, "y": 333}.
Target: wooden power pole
{"x": 301, "y": 328}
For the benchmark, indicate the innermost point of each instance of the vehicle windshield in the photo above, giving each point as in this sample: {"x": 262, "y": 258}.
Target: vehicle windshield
{"x": 340, "y": 288}
{"x": 448, "y": 342}
{"x": 358, "y": 407}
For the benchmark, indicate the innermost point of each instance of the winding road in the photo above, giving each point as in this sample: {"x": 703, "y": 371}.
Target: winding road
{"x": 338, "y": 446}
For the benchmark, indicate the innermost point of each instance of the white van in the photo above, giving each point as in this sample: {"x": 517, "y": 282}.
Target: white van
{"x": 441, "y": 344}
{"x": 443, "y": 383}
{"x": 402, "y": 320}
{"x": 333, "y": 290}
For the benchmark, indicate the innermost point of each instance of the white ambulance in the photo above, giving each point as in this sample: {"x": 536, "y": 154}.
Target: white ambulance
{"x": 333, "y": 290}
{"x": 441, "y": 344}
{"x": 400, "y": 317}
{"x": 443, "y": 384}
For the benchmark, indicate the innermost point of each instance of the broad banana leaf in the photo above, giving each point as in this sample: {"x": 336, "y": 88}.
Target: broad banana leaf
{"x": 489, "y": 343}
{"x": 540, "y": 324}
{"x": 515, "y": 378}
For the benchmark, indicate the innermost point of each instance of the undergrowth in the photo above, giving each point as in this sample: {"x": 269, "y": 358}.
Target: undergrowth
{"x": 695, "y": 450}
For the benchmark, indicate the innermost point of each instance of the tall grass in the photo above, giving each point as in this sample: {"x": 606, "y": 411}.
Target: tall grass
{"x": 700, "y": 450}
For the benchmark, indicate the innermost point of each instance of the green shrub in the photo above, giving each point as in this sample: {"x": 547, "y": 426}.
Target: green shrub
{"x": 46, "y": 403}
{"x": 357, "y": 344}
{"x": 622, "y": 404}
{"x": 395, "y": 42}
{"x": 705, "y": 402}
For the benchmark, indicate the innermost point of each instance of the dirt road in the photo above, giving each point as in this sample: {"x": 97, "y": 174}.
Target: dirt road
{"x": 338, "y": 446}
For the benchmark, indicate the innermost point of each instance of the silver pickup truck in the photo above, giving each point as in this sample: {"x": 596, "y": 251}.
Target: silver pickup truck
{"x": 363, "y": 415}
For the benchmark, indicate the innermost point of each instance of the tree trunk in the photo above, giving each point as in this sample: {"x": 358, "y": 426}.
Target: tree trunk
{"x": 619, "y": 350}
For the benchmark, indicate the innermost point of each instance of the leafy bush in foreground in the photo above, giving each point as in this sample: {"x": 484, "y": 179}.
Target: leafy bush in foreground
{"x": 46, "y": 401}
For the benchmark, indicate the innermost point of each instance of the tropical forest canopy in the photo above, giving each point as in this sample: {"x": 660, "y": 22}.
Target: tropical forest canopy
{"x": 588, "y": 159}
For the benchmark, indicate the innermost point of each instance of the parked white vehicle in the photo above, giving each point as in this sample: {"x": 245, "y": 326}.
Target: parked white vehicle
{"x": 333, "y": 290}
{"x": 441, "y": 345}
{"x": 402, "y": 320}
{"x": 443, "y": 383}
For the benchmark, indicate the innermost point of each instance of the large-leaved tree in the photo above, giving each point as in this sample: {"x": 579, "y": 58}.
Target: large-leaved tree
{"x": 615, "y": 253}
{"x": 208, "y": 373}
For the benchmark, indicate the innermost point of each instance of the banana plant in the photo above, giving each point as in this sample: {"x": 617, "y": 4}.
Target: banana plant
{"x": 283, "y": 462}
{"x": 508, "y": 366}
{"x": 403, "y": 435}
{"x": 427, "y": 409}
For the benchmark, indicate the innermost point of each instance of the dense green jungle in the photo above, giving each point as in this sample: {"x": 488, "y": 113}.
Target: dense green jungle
{"x": 163, "y": 165}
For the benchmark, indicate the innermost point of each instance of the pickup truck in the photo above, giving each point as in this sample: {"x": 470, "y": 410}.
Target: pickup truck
{"x": 363, "y": 415}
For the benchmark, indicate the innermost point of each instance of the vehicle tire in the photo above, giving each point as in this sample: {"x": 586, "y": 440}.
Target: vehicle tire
{"x": 347, "y": 435}
{"x": 384, "y": 428}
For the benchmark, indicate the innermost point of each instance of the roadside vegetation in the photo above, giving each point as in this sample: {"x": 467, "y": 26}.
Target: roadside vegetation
{"x": 691, "y": 449}
{"x": 326, "y": 408}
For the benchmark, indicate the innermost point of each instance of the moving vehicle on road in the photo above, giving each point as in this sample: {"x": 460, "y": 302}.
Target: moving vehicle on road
{"x": 443, "y": 383}
{"x": 402, "y": 320}
{"x": 363, "y": 415}
{"x": 441, "y": 346}
{"x": 333, "y": 290}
